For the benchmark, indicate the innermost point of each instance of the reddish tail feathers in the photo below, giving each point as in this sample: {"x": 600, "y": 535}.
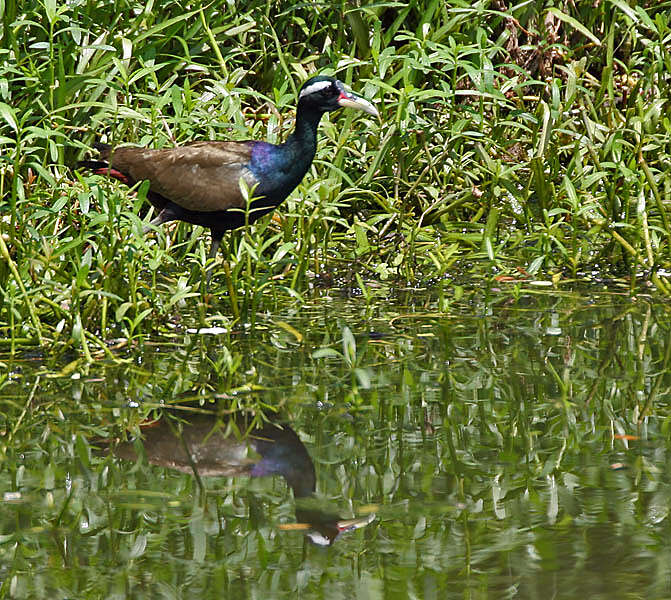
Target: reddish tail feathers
{"x": 112, "y": 173}
{"x": 102, "y": 168}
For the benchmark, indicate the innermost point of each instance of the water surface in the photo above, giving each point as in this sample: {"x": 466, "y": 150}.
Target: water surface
{"x": 510, "y": 444}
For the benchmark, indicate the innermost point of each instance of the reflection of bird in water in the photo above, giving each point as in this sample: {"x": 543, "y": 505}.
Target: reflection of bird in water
{"x": 208, "y": 446}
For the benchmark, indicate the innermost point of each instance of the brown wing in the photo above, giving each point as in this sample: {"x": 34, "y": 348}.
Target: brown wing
{"x": 202, "y": 176}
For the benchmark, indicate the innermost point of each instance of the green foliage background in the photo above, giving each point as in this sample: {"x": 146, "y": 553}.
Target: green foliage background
{"x": 526, "y": 137}
{"x": 512, "y": 440}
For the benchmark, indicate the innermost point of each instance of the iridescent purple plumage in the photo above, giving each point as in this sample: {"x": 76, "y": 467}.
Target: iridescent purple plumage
{"x": 198, "y": 182}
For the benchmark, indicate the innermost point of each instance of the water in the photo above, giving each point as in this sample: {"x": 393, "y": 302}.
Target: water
{"x": 506, "y": 445}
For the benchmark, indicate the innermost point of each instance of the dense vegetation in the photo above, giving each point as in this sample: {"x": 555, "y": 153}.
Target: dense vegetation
{"x": 527, "y": 140}
{"x": 509, "y": 439}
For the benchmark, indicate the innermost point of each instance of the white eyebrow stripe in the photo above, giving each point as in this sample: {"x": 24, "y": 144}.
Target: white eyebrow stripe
{"x": 315, "y": 87}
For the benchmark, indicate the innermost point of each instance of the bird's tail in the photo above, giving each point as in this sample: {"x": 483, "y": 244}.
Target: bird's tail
{"x": 92, "y": 165}
{"x": 102, "y": 167}
{"x": 104, "y": 150}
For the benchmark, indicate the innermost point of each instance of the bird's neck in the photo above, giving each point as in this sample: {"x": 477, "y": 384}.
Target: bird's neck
{"x": 303, "y": 141}
{"x": 282, "y": 453}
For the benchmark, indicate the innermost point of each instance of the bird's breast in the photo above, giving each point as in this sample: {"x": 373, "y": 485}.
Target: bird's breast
{"x": 277, "y": 170}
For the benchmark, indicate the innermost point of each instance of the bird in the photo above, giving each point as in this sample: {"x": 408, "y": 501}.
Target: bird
{"x": 203, "y": 182}
{"x": 206, "y": 445}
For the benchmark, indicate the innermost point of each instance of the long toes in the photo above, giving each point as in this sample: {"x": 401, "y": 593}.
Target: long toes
{"x": 152, "y": 225}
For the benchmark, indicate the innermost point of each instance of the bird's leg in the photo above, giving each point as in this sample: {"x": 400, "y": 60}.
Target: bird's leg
{"x": 216, "y": 242}
{"x": 159, "y": 219}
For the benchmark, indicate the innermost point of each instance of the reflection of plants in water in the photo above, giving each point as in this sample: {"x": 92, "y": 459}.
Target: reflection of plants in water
{"x": 485, "y": 431}
{"x": 351, "y": 359}
{"x": 224, "y": 364}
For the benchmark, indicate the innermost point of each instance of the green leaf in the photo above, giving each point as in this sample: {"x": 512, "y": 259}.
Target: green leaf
{"x": 289, "y": 329}
{"x": 139, "y": 546}
{"x": 7, "y": 113}
{"x": 240, "y": 28}
{"x": 575, "y": 24}
{"x": 626, "y": 9}
{"x": 349, "y": 346}
{"x": 50, "y": 9}
{"x": 326, "y": 353}
{"x": 536, "y": 264}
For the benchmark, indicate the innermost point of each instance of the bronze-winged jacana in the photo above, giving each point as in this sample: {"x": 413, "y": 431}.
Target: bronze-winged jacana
{"x": 199, "y": 183}
{"x": 208, "y": 445}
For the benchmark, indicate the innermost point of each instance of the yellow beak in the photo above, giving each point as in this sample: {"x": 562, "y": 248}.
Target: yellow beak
{"x": 352, "y": 100}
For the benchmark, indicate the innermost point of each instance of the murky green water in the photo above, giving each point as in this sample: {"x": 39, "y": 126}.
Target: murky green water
{"x": 505, "y": 446}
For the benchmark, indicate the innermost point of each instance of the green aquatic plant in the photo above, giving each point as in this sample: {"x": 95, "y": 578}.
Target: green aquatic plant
{"x": 520, "y": 141}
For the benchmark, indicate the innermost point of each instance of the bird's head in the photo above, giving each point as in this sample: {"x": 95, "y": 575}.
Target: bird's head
{"x": 326, "y": 94}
